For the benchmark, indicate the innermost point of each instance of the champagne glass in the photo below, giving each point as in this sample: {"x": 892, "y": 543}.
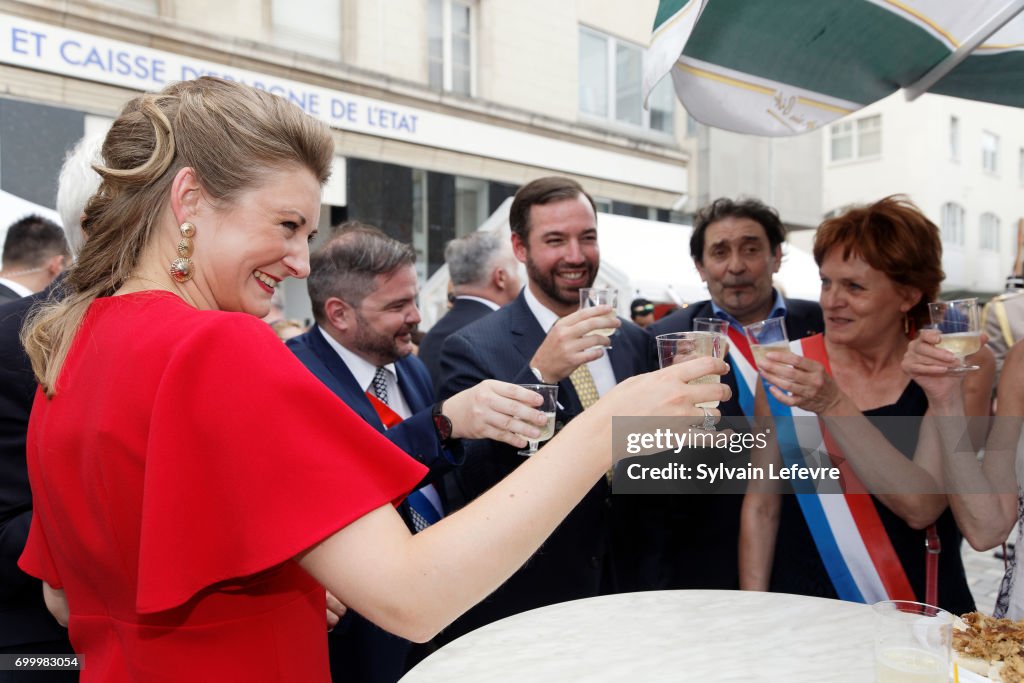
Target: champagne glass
{"x": 598, "y": 296}
{"x": 767, "y": 336}
{"x": 959, "y": 321}
{"x": 549, "y": 392}
{"x": 677, "y": 347}
{"x": 716, "y": 325}
{"x": 912, "y": 642}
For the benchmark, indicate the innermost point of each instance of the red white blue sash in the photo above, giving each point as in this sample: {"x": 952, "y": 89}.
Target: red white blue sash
{"x": 744, "y": 369}
{"x": 851, "y": 540}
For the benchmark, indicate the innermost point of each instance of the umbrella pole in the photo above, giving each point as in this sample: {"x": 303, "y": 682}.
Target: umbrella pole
{"x": 998, "y": 20}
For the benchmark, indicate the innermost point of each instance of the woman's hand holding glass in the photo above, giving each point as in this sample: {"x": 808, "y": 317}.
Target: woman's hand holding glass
{"x": 798, "y": 381}
{"x": 959, "y": 323}
{"x": 934, "y": 368}
{"x": 668, "y": 392}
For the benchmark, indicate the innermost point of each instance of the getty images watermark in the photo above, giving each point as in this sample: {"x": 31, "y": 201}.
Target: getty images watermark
{"x": 798, "y": 454}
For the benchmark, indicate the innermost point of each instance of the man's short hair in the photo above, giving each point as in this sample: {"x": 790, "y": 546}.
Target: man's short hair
{"x": 348, "y": 264}
{"x": 33, "y": 240}
{"x": 542, "y": 191}
{"x": 470, "y": 258}
{"x": 640, "y": 307}
{"x": 723, "y": 207}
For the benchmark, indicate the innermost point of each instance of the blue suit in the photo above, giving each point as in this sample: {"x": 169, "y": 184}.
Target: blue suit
{"x": 572, "y": 562}
{"x": 359, "y": 650}
{"x": 462, "y": 313}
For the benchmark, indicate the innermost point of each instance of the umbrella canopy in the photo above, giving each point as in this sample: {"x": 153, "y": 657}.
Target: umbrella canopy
{"x": 782, "y": 67}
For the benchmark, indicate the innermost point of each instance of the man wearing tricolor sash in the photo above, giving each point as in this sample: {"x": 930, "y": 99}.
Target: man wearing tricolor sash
{"x": 736, "y": 247}
{"x": 842, "y": 399}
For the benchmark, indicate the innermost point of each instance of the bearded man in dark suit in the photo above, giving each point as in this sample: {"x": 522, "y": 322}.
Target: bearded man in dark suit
{"x": 544, "y": 336}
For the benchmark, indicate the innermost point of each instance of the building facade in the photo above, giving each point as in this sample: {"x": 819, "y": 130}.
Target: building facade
{"x": 960, "y": 161}
{"x": 440, "y": 108}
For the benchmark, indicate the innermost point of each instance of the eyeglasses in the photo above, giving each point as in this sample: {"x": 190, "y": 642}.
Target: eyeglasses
{"x": 643, "y": 310}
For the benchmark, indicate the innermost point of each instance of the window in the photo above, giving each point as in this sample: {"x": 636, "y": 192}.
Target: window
{"x": 151, "y": 7}
{"x": 954, "y": 138}
{"x": 312, "y": 27}
{"x": 610, "y": 84}
{"x": 420, "y": 223}
{"x": 989, "y": 232}
{"x": 859, "y": 139}
{"x": 470, "y": 205}
{"x": 990, "y": 152}
{"x": 450, "y": 45}
{"x": 953, "y": 224}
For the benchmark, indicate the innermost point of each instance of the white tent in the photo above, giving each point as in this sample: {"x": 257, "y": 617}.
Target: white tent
{"x": 13, "y": 208}
{"x": 640, "y": 258}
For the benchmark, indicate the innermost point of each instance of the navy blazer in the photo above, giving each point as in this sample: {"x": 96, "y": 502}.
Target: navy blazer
{"x": 415, "y": 435}
{"x": 462, "y": 313}
{"x": 24, "y": 619}
{"x": 803, "y": 319}
{"x": 572, "y": 562}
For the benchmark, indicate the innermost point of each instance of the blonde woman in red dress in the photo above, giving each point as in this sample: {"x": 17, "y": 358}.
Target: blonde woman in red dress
{"x": 196, "y": 489}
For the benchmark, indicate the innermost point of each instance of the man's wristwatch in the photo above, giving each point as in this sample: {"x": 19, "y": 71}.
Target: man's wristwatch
{"x": 442, "y": 425}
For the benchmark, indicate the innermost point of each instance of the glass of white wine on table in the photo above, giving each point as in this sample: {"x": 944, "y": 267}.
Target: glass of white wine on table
{"x": 913, "y": 642}
{"x": 548, "y": 392}
{"x": 959, "y": 323}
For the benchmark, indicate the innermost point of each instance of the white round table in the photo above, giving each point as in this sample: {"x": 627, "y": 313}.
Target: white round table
{"x": 666, "y": 636}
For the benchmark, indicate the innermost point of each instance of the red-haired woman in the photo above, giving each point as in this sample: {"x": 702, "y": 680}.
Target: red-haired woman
{"x": 880, "y": 267}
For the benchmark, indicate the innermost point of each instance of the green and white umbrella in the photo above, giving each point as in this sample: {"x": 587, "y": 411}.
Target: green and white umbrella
{"x": 782, "y": 67}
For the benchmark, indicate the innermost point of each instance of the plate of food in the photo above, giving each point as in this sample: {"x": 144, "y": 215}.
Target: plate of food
{"x": 986, "y": 649}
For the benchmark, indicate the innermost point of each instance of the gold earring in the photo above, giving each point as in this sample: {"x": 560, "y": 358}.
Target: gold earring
{"x": 181, "y": 267}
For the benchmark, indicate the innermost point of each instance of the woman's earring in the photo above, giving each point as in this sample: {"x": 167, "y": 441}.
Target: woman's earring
{"x": 181, "y": 267}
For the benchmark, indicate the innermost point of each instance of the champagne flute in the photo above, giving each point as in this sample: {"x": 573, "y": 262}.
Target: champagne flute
{"x": 959, "y": 322}
{"x": 549, "y": 392}
{"x": 677, "y": 347}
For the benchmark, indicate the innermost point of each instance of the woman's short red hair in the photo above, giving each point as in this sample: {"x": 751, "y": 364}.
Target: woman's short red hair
{"x": 891, "y": 236}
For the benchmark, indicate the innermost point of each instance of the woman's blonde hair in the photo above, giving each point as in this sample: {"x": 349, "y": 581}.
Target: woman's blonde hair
{"x": 231, "y": 134}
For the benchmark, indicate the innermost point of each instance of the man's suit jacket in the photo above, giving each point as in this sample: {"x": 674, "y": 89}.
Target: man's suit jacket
{"x": 360, "y": 651}
{"x": 24, "y": 619}
{"x": 462, "y": 313}
{"x": 695, "y": 537}
{"x": 8, "y": 294}
{"x": 571, "y": 563}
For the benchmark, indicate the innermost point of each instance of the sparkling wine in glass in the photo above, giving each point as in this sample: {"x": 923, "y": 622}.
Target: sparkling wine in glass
{"x": 677, "y": 347}
{"x": 959, "y": 322}
{"x": 548, "y": 392}
{"x": 716, "y": 325}
{"x": 767, "y": 336}
{"x": 598, "y": 296}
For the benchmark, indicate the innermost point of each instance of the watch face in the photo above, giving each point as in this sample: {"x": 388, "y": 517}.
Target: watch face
{"x": 443, "y": 426}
